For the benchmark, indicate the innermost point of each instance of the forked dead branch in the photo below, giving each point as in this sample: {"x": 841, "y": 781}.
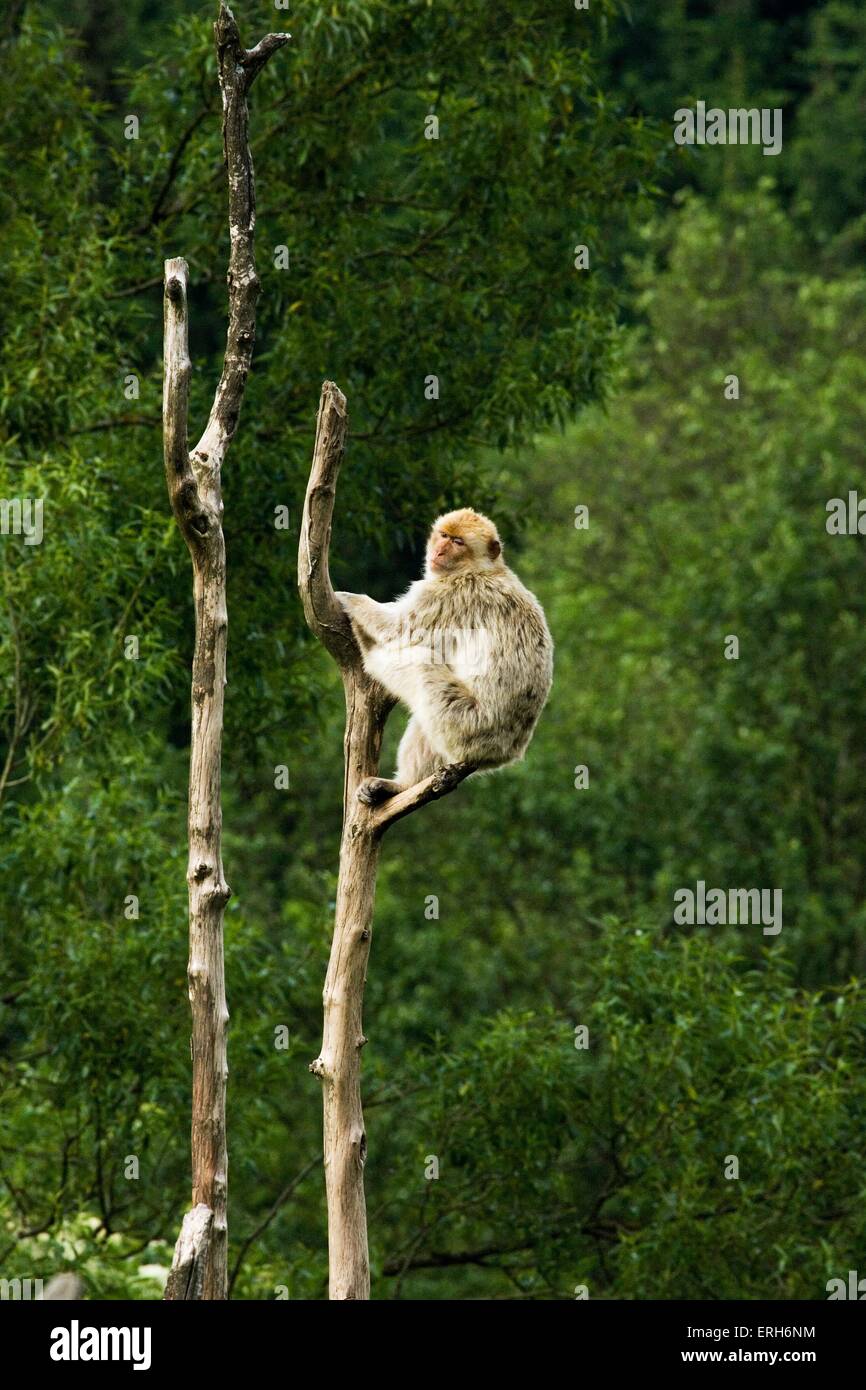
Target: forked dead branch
{"x": 199, "y": 1269}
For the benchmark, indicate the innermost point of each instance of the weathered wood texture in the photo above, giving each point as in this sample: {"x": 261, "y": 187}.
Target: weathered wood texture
{"x": 195, "y": 490}
{"x": 188, "y": 1273}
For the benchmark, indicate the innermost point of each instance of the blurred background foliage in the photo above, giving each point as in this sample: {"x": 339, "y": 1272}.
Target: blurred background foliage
{"x": 558, "y": 1165}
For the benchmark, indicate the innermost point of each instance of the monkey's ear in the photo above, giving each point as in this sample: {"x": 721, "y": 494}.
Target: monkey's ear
{"x": 494, "y": 548}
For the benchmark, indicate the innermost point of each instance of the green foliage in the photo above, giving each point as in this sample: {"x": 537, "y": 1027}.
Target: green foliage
{"x": 806, "y": 60}
{"x": 707, "y": 518}
{"x": 610, "y": 1166}
{"x": 830, "y": 148}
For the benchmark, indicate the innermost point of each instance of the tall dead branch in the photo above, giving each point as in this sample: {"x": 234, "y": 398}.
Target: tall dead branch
{"x": 367, "y": 709}
{"x": 199, "y": 1269}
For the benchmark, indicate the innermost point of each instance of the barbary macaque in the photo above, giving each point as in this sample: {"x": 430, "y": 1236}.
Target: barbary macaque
{"x": 467, "y": 649}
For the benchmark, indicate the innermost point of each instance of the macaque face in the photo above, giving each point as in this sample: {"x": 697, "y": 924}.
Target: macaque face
{"x": 447, "y": 551}
{"x": 462, "y": 540}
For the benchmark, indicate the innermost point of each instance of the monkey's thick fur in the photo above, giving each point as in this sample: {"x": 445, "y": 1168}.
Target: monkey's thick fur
{"x": 467, "y": 649}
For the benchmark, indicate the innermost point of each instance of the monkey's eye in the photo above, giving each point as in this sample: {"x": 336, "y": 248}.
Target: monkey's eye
{"x": 457, "y": 540}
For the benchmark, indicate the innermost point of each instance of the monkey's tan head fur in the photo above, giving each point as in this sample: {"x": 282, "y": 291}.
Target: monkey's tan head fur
{"x": 461, "y": 541}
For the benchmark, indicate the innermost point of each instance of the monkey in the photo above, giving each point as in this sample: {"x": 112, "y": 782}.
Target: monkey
{"x": 467, "y": 650}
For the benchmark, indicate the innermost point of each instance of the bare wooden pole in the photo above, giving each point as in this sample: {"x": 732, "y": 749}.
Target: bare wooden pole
{"x": 367, "y": 709}
{"x": 199, "y": 1269}
{"x": 197, "y": 505}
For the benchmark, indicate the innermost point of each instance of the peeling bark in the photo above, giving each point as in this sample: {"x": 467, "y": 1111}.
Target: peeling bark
{"x": 195, "y": 490}
{"x": 186, "y": 1278}
{"x": 367, "y": 709}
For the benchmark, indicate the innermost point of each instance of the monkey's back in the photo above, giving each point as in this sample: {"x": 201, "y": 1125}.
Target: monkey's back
{"x": 495, "y": 641}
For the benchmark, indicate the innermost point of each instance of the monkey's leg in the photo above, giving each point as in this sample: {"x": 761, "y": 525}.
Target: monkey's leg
{"x": 415, "y": 758}
{"x": 457, "y": 723}
{"x": 415, "y": 761}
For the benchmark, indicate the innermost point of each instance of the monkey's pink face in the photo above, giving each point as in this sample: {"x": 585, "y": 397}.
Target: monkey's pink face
{"x": 446, "y": 551}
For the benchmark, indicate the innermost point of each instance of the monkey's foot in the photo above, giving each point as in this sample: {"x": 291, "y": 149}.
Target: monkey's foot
{"x": 376, "y": 790}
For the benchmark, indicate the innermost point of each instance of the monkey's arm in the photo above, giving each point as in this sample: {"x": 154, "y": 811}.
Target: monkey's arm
{"x": 379, "y": 621}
